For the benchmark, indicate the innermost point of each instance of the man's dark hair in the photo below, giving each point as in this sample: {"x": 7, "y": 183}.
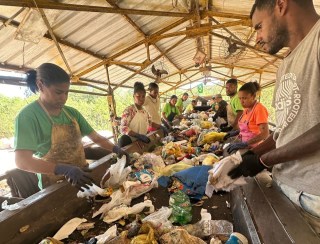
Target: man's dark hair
{"x": 270, "y": 4}
{"x": 232, "y": 81}
{"x": 173, "y": 97}
{"x": 153, "y": 86}
{"x": 138, "y": 87}
{"x": 185, "y": 94}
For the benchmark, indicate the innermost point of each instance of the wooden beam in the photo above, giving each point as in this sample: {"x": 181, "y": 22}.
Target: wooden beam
{"x": 180, "y": 83}
{"x": 88, "y": 8}
{"x": 241, "y": 67}
{"x": 194, "y": 31}
{"x": 221, "y": 14}
{"x": 152, "y": 61}
{"x": 46, "y": 21}
{"x": 137, "y": 44}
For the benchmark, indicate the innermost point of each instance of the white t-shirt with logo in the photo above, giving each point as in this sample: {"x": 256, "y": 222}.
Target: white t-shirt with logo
{"x": 297, "y": 104}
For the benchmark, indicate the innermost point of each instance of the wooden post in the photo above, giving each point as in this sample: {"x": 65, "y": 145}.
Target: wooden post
{"x": 112, "y": 108}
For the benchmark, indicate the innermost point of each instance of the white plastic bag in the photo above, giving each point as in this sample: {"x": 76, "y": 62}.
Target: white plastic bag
{"x": 218, "y": 176}
{"x": 108, "y": 235}
{"x": 123, "y": 211}
{"x": 68, "y": 228}
{"x": 116, "y": 174}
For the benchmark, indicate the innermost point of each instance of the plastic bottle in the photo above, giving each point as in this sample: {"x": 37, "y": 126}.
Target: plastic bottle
{"x": 237, "y": 238}
{"x": 205, "y": 228}
{"x": 181, "y": 208}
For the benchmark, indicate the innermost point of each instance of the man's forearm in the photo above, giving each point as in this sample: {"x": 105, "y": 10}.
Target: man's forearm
{"x": 235, "y": 123}
{"x": 266, "y": 146}
{"x": 300, "y": 147}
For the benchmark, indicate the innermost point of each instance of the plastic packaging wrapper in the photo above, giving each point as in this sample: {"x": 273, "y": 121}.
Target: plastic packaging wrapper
{"x": 146, "y": 235}
{"x": 180, "y": 236}
{"x": 93, "y": 190}
{"x": 206, "y": 124}
{"x": 181, "y": 208}
{"x": 150, "y": 159}
{"x": 116, "y": 174}
{"x": 173, "y": 168}
{"x": 133, "y": 190}
{"x": 68, "y": 228}
{"x": 218, "y": 176}
{"x": 203, "y": 115}
{"x": 210, "y": 159}
{"x": 159, "y": 220}
{"x": 108, "y": 235}
{"x": 210, "y": 137}
{"x": 171, "y": 149}
{"x": 123, "y": 211}
{"x": 205, "y": 228}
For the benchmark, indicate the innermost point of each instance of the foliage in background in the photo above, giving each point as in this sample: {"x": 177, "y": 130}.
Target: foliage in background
{"x": 95, "y": 110}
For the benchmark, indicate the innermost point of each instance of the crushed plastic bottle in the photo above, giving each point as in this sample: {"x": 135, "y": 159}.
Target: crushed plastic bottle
{"x": 181, "y": 208}
{"x": 206, "y": 228}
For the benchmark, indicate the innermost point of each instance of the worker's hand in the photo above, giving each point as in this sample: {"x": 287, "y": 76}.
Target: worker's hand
{"x": 75, "y": 175}
{"x": 250, "y": 166}
{"x": 143, "y": 138}
{"x": 117, "y": 150}
{"x": 226, "y": 129}
{"x": 164, "y": 130}
{"x": 233, "y": 147}
{"x": 231, "y": 134}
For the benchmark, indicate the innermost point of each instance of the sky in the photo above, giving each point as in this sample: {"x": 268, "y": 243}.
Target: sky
{"x": 11, "y": 90}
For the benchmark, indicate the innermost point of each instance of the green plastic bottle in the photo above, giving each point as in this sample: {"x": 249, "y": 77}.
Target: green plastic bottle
{"x": 181, "y": 208}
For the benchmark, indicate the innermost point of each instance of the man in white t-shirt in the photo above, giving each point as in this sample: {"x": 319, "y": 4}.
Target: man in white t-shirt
{"x": 294, "y": 148}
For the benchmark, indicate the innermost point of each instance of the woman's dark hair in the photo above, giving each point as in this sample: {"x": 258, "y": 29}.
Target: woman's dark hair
{"x": 48, "y": 73}
{"x": 250, "y": 87}
{"x": 153, "y": 86}
{"x": 138, "y": 87}
{"x": 173, "y": 97}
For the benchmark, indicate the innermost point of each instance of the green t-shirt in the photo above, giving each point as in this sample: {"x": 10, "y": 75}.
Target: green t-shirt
{"x": 168, "y": 109}
{"x": 33, "y": 127}
{"x": 179, "y": 103}
{"x": 235, "y": 104}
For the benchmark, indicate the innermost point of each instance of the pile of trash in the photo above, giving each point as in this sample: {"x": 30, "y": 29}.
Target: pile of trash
{"x": 189, "y": 165}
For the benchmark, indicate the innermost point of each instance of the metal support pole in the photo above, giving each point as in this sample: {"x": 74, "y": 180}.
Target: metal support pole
{"x": 112, "y": 108}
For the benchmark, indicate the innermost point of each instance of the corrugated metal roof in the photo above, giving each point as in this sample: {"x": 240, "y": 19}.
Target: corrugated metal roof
{"x": 89, "y": 37}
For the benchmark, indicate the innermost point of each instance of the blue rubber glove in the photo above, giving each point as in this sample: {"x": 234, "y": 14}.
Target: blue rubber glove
{"x": 117, "y": 150}
{"x": 165, "y": 130}
{"x": 143, "y": 138}
{"x": 250, "y": 166}
{"x": 226, "y": 129}
{"x": 75, "y": 175}
{"x": 233, "y": 147}
{"x": 231, "y": 134}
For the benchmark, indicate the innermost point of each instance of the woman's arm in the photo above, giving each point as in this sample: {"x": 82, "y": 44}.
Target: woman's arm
{"x": 264, "y": 133}
{"x": 101, "y": 141}
{"x": 25, "y": 161}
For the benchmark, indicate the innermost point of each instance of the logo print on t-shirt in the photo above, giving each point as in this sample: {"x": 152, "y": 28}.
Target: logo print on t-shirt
{"x": 288, "y": 100}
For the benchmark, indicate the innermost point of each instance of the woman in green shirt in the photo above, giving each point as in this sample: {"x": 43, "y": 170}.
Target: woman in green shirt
{"x": 170, "y": 111}
{"x": 48, "y": 133}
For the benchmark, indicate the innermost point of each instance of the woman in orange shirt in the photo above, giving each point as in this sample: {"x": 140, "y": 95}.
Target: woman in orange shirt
{"x": 253, "y": 123}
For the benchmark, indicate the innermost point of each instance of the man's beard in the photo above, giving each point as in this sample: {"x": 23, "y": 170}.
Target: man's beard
{"x": 279, "y": 38}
